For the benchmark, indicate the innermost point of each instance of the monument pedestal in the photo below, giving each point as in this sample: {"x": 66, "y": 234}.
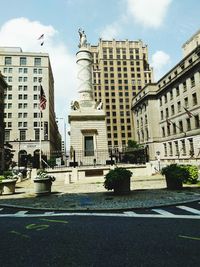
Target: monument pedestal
{"x": 88, "y": 136}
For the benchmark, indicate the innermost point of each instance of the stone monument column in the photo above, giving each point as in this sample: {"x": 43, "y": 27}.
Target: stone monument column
{"x": 88, "y": 133}
{"x": 84, "y": 63}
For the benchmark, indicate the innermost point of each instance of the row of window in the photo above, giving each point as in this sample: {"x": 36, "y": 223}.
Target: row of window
{"x": 22, "y": 70}
{"x": 174, "y": 128}
{"x": 178, "y": 148}
{"x": 105, "y": 56}
{"x": 22, "y": 79}
{"x": 21, "y": 105}
{"x": 128, "y": 120}
{"x": 22, "y": 124}
{"x": 122, "y": 113}
{"x": 119, "y": 63}
{"x": 121, "y": 50}
{"x": 182, "y": 67}
{"x": 120, "y": 94}
{"x": 22, "y": 115}
{"x": 115, "y": 143}
{"x": 133, "y": 82}
{"x": 22, "y": 61}
{"x": 122, "y": 128}
{"x": 170, "y": 95}
{"x": 24, "y": 88}
{"x": 120, "y": 100}
{"x": 115, "y": 135}
{"x": 179, "y": 106}
{"x": 22, "y": 135}
{"x": 21, "y": 96}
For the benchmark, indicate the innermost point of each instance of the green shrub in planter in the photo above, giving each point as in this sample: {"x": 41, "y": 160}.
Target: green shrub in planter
{"x": 7, "y": 174}
{"x": 175, "y": 175}
{"x": 119, "y": 180}
{"x": 43, "y": 182}
{"x": 192, "y": 174}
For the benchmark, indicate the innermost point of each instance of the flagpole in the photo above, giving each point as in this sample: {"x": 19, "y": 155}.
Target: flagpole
{"x": 40, "y": 140}
{"x": 40, "y": 145}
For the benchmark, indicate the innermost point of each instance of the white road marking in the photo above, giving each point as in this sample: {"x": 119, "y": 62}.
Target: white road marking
{"x": 17, "y": 215}
{"x": 21, "y": 212}
{"x": 49, "y": 213}
{"x": 189, "y": 209}
{"x": 163, "y": 212}
{"x": 1, "y": 209}
{"x": 130, "y": 213}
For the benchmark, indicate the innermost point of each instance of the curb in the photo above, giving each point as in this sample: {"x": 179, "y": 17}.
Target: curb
{"x": 98, "y": 210}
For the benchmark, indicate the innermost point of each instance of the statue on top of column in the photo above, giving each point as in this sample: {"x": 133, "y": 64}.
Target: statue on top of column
{"x": 83, "y": 38}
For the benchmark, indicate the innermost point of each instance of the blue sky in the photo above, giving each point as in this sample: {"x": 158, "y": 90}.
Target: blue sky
{"x": 164, "y": 25}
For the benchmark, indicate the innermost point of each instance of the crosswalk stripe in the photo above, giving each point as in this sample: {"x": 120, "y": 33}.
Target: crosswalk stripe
{"x": 163, "y": 212}
{"x": 48, "y": 213}
{"x": 21, "y": 212}
{"x": 189, "y": 209}
{"x": 130, "y": 213}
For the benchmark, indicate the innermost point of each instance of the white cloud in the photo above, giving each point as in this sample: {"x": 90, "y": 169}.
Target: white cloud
{"x": 160, "y": 62}
{"x": 149, "y": 13}
{"x": 111, "y": 31}
{"x": 24, "y": 33}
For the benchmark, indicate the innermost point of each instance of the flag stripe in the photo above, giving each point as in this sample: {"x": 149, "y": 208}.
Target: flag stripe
{"x": 168, "y": 121}
{"x": 43, "y": 99}
{"x": 188, "y": 113}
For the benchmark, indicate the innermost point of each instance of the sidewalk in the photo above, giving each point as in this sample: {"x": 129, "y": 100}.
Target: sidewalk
{"x": 89, "y": 194}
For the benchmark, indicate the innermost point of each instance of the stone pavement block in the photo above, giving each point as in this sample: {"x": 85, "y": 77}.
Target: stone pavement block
{"x": 90, "y": 194}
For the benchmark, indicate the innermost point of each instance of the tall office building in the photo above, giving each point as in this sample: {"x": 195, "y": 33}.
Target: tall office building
{"x": 120, "y": 70}
{"x": 23, "y": 72}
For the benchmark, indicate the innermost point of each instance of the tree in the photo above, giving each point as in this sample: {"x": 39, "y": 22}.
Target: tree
{"x": 8, "y": 155}
{"x": 132, "y": 144}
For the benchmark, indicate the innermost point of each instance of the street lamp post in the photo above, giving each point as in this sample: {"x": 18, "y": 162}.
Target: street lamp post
{"x": 158, "y": 158}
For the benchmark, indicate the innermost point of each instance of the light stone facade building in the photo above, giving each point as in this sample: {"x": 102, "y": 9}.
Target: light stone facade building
{"x": 120, "y": 70}
{"x": 167, "y": 113}
{"x": 191, "y": 44}
{"x": 3, "y": 87}
{"x": 23, "y": 72}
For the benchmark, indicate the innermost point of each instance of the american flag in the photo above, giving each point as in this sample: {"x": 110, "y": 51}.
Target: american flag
{"x": 43, "y": 99}
{"x": 41, "y": 39}
{"x": 168, "y": 122}
{"x": 188, "y": 113}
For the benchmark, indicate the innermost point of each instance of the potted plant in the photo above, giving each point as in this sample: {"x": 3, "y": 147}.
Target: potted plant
{"x": 174, "y": 175}
{"x": 43, "y": 182}
{"x": 118, "y": 180}
{"x": 8, "y": 182}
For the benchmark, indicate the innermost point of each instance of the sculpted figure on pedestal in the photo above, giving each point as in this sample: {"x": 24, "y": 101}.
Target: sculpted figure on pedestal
{"x": 83, "y": 38}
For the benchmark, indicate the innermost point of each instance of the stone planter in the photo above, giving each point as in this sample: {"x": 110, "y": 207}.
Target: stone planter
{"x": 122, "y": 187}
{"x": 1, "y": 188}
{"x": 7, "y": 186}
{"x": 42, "y": 186}
{"x": 173, "y": 183}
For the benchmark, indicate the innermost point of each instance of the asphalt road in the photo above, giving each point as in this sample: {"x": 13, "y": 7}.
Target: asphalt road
{"x": 99, "y": 241}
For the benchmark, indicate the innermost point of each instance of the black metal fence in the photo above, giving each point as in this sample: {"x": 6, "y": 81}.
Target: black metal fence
{"x": 91, "y": 158}
{"x": 110, "y": 157}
